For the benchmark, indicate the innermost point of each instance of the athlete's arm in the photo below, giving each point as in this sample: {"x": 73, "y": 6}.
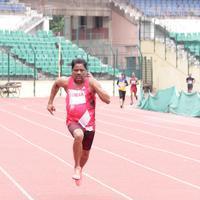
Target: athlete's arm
{"x": 60, "y": 82}
{"x": 103, "y": 95}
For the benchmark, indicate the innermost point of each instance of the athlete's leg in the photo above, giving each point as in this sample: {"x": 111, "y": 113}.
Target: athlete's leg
{"x": 84, "y": 157}
{"x": 121, "y": 102}
{"x": 120, "y": 98}
{"x": 123, "y": 98}
{"x": 77, "y": 151}
{"x": 87, "y": 144}
{"x": 131, "y": 98}
{"x": 135, "y": 94}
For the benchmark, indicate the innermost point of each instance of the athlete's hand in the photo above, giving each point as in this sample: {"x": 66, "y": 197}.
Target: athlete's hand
{"x": 51, "y": 108}
{"x": 92, "y": 80}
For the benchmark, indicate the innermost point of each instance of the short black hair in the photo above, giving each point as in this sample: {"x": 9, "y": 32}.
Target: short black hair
{"x": 79, "y": 61}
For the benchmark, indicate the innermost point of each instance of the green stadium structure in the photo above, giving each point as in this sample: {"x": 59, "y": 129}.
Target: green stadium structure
{"x": 170, "y": 100}
{"x": 15, "y": 68}
{"x": 191, "y": 41}
{"x": 46, "y": 52}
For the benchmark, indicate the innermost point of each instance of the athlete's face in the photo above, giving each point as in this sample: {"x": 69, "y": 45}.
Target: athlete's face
{"x": 79, "y": 73}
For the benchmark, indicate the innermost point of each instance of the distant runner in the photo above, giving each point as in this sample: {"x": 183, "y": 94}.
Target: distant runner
{"x": 190, "y": 81}
{"x": 122, "y": 84}
{"x": 133, "y": 88}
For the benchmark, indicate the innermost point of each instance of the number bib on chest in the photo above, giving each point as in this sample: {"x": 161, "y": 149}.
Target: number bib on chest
{"x": 76, "y": 97}
{"x": 133, "y": 82}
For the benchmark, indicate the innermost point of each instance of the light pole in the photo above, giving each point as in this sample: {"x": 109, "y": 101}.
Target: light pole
{"x": 60, "y": 60}
{"x": 58, "y": 46}
{"x": 8, "y": 66}
{"x": 7, "y": 51}
{"x": 34, "y": 69}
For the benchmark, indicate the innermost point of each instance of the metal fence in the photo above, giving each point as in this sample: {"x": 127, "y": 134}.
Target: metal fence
{"x": 178, "y": 42}
{"x": 46, "y": 57}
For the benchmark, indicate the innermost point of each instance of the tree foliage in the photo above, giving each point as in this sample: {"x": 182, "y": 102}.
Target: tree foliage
{"x": 57, "y": 24}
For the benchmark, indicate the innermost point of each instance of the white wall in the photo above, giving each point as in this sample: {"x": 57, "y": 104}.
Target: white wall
{"x": 165, "y": 72}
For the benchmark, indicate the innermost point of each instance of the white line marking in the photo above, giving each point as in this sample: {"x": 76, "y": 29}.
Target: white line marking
{"x": 150, "y": 147}
{"x": 122, "y": 139}
{"x": 150, "y": 133}
{"x": 132, "y": 129}
{"x": 145, "y": 113}
{"x": 151, "y": 169}
{"x": 17, "y": 185}
{"x": 115, "y": 155}
{"x": 66, "y": 163}
{"x": 172, "y": 121}
{"x": 150, "y": 124}
{"x": 139, "y": 121}
{"x": 146, "y": 123}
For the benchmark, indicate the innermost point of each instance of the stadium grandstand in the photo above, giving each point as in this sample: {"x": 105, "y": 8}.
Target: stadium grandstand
{"x": 138, "y": 124}
{"x": 157, "y": 39}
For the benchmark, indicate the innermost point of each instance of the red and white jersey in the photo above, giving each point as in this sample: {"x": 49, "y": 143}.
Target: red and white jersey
{"x": 80, "y": 105}
{"x": 133, "y": 81}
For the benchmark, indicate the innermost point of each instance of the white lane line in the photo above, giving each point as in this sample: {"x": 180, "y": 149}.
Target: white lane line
{"x": 194, "y": 121}
{"x": 145, "y": 132}
{"x": 122, "y": 139}
{"x": 66, "y": 163}
{"x": 129, "y": 128}
{"x": 149, "y": 147}
{"x": 115, "y": 155}
{"x": 17, "y": 185}
{"x": 140, "y": 121}
{"x": 150, "y": 124}
{"x": 150, "y": 133}
{"x": 151, "y": 169}
{"x": 187, "y": 123}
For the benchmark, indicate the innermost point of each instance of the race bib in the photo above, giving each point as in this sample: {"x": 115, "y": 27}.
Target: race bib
{"x": 76, "y": 97}
{"x": 133, "y": 82}
{"x": 121, "y": 84}
{"x": 190, "y": 82}
{"x": 84, "y": 120}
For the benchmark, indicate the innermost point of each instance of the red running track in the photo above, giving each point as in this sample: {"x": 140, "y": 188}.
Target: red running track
{"x": 136, "y": 155}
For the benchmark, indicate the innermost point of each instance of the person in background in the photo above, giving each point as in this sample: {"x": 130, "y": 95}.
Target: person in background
{"x": 122, "y": 83}
{"x": 190, "y": 82}
{"x": 81, "y": 89}
{"x": 133, "y": 88}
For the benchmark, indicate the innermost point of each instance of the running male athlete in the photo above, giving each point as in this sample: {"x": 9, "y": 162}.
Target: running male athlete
{"x": 133, "y": 88}
{"x": 122, "y": 83}
{"x": 81, "y": 88}
{"x": 190, "y": 82}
